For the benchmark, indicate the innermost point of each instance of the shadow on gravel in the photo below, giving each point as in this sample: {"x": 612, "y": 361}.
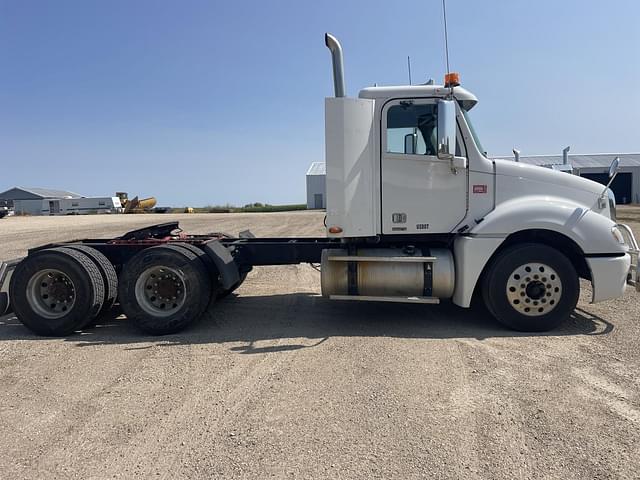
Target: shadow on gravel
{"x": 251, "y": 319}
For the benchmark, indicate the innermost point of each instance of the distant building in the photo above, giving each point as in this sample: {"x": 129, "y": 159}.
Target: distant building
{"x": 317, "y": 186}
{"x": 626, "y": 185}
{"x": 22, "y": 193}
{"x": 44, "y": 201}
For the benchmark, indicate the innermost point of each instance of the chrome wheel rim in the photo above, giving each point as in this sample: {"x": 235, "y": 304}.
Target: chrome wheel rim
{"x": 51, "y": 293}
{"x": 160, "y": 291}
{"x": 534, "y": 289}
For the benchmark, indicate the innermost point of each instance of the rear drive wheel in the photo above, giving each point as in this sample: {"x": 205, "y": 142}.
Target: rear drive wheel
{"x": 531, "y": 287}
{"x": 165, "y": 288}
{"x": 57, "y": 291}
{"x": 108, "y": 273}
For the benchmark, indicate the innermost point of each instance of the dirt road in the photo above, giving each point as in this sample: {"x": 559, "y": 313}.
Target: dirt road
{"x": 278, "y": 382}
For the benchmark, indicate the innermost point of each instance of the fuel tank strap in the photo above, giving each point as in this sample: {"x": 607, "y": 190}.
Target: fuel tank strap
{"x": 352, "y": 278}
{"x": 428, "y": 279}
{"x": 352, "y": 272}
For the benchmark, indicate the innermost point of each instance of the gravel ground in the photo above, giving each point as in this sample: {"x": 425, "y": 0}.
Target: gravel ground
{"x": 278, "y": 382}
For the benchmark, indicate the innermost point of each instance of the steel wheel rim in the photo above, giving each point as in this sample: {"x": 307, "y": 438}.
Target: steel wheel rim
{"x": 51, "y": 293}
{"x": 160, "y": 291}
{"x": 534, "y": 289}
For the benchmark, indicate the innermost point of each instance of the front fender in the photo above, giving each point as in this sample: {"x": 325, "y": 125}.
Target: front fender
{"x": 589, "y": 230}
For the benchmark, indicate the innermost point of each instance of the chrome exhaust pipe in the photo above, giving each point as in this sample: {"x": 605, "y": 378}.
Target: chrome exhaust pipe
{"x": 333, "y": 44}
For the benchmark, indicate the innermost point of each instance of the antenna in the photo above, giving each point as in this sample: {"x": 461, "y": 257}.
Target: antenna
{"x": 409, "y": 67}
{"x": 446, "y": 38}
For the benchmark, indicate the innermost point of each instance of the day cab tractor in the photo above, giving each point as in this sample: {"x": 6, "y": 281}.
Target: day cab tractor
{"x": 416, "y": 213}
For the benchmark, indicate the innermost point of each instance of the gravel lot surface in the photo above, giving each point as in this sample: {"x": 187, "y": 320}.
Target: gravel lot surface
{"x": 278, "y": 382}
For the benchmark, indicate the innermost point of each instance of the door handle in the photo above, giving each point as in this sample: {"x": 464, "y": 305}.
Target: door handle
{"x": 458, "y": 163}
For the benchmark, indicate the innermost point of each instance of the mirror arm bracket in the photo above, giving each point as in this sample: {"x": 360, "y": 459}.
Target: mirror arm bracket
{"x": 614, "y": 168}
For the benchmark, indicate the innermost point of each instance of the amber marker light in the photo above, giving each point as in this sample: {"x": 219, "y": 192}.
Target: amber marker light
{"x": 335, "y": 230}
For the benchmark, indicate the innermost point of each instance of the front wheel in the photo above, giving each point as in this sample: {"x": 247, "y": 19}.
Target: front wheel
{"x": 531, "y": 287}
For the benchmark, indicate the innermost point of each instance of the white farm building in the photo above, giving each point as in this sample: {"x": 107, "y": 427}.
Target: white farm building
{"x": 44, "y": 201}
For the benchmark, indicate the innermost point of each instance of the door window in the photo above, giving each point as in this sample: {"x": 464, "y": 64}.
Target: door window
{"x": 412, "y": 129}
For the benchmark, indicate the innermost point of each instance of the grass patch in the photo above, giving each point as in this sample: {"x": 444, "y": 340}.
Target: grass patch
{"x": 250, "y": 208}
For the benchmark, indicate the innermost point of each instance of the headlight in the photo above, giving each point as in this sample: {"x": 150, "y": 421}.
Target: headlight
{"x": 617, "y": 234}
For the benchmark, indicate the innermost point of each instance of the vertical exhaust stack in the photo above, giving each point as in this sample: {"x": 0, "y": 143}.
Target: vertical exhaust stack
{"x": 565, "y": 155}
{"x": 333, "y": 44}
{"x": 516, "y": 155}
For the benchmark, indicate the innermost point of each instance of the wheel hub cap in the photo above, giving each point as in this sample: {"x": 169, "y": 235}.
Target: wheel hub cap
{"x": 534, "y": 289}
{"x": 51, "y": 293}
{"x": 160, "y": 291}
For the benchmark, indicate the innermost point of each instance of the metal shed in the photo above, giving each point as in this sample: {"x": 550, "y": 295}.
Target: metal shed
{"x": 316, "y": 186}
{"x": 22, "y": 193}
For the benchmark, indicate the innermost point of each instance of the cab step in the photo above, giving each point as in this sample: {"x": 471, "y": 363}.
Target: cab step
{"x": 363, "y": 258}
{"x": 372, "y": 298}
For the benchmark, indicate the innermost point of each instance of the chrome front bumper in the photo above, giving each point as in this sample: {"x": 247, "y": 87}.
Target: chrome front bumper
{"x": 634, "y": 253}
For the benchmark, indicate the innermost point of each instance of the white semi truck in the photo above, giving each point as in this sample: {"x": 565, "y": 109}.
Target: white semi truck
{"x": 416, "y": 213}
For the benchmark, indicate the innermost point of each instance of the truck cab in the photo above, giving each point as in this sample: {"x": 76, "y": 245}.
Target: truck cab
{"x": 405, "y": 167}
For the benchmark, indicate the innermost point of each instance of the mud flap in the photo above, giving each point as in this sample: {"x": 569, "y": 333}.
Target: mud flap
{"x": 4, "y": 303}
{"x": 6, "y": 270}
{"x": 224, "y": 262}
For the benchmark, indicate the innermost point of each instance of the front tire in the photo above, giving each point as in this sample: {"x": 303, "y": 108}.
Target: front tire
{"x": 530, "y": 287}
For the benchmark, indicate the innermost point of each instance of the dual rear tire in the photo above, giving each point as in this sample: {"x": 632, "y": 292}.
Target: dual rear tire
{"x": 57, "y": 291}
{"x": 163, "y": 289}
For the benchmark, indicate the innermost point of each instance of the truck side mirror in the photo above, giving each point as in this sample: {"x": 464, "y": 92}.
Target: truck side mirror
{"x": 410, "y": 140}
{"x": 614, "y": 167}
{"x": 446, "y": 129}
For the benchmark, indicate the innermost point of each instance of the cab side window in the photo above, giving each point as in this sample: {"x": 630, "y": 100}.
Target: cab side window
{"x": 412, "y": 129}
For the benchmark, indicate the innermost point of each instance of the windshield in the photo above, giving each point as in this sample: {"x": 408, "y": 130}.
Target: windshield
{"x": 473, "y": 131}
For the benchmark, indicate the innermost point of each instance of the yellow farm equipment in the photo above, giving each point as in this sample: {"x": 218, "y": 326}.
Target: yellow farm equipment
{"x": 136, "y": 205}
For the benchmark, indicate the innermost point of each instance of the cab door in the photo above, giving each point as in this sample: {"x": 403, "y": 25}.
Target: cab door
{"x": 420, "y": 192}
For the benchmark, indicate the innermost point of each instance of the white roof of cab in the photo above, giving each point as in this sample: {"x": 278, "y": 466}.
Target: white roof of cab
{"x": 465, "y": 97}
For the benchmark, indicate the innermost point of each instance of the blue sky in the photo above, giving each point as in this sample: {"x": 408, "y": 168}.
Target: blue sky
{"x": 209, "y": 102}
